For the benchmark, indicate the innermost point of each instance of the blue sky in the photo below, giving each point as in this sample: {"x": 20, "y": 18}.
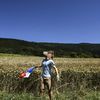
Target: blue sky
{"x": 68, "y": 21}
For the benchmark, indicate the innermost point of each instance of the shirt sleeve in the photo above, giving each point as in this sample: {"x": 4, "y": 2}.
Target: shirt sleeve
{"x": 52, "y": 63}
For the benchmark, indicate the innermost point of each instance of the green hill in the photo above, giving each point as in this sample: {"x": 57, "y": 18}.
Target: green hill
{"x": 14, "y": 46}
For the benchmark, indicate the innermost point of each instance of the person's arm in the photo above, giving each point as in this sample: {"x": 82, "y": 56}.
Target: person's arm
{"x": 57, "y": 73}
{"x": 56, "y": 70}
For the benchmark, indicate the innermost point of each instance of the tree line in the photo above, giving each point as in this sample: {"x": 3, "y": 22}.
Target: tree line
{"x": 14, "y": 46}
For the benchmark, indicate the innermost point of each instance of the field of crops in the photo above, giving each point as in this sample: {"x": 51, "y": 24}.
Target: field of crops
{"x": 80, "y": 78}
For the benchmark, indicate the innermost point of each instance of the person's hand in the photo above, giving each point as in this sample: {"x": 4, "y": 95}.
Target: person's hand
{"x": 45, "y": 53}
{"x": 58, "y": 77}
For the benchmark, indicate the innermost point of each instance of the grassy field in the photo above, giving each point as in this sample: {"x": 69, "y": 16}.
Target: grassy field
{"x": 68, "y": 95}
{"x": 80, "y": 78}
{"x": 74, "y": 64}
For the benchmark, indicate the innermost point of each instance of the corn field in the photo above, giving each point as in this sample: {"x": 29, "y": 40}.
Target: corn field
{"x": 77, "y": 76}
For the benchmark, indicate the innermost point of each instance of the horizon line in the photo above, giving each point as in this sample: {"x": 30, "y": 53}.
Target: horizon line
{"x": 49, "y": 42}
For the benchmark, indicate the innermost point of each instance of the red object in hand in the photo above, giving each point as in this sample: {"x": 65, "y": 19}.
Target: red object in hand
{"x": 22, "y": 75}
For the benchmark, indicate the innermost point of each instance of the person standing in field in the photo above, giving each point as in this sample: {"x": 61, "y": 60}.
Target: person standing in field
{"x": 47, "y": 65}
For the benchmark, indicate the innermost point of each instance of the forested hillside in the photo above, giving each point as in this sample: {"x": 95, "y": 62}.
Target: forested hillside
{"x": 14, "y": 46}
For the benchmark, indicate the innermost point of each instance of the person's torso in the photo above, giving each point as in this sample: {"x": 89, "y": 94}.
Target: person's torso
{"x": 47, "y": 68}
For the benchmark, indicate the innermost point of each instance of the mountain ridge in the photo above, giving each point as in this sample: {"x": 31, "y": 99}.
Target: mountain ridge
{"x": 17, "y": 46}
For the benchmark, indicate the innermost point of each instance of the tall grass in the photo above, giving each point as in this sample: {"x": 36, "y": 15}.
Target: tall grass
{"x": 69, "y": 95}
{"x": 77, "y": 76}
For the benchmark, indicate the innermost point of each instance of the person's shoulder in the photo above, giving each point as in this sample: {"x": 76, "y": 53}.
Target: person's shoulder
{"x": 51, "y": 61}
